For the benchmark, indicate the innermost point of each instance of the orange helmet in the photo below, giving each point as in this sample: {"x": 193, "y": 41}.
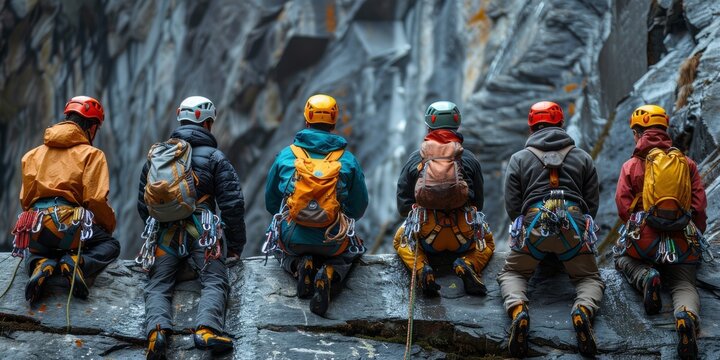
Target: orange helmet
{"x": 321, "y": 108}
{"x": 86, "y": 107}
{"x": 545, "y": 112}
{"x": 649, "y": 115}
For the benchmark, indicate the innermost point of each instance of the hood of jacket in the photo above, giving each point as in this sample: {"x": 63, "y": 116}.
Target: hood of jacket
{"x": 318, "y": 141}
{"x": 548, "y": 139}
{"x": 64, "y": 135}
{"x": 195, "y": 135}
{"x": 652, "y": 138}
{"x": 444, "y": 136}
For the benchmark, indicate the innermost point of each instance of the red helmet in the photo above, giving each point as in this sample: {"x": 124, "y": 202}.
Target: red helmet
{"x": 87, "y": 107}
{"x": 545, "y": 112}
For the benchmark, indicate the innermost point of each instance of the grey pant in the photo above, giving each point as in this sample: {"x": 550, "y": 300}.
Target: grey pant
{"x": 161, "y": 283}
{"x": 679, "y": 278}
{"x": 341, "y": 264}
{"x": 582, "y": 269}
{"x": 96, "y": 253}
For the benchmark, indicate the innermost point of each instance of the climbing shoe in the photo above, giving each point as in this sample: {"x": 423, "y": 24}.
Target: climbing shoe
{"x": 685, "y": 324}
{"x": 43, "y": 269}
{"x": 157, "y": 345}
{"x": 427, "y": 282}
{"x": 321, "y": 298}
{"x": 471, "y": 280}
{"x": 306, "y": 275}
{"x": 206, "y": 339}
{"x": 651, "y": 292}
{"x": 67, "y": 268}
{"x": 583, "y": 331}
{"x": 519, "y": 329}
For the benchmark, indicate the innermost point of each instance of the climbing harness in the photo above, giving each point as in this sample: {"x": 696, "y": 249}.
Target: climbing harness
{"x": 553, "y": 214}
{"x": 411, "y": 308}
{"x": 209, "y": 239}
{"x": 517, "y": 233}
{"x": 476, "y": 220}
{"x": 416, "y": 217}
{"x": 697, "y": 240}
{"x": 146, "y": 257}
{"x": 629, "y": 232}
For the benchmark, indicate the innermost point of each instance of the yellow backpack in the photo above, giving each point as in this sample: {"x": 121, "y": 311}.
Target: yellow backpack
{"x": 314, "y": 201}
{"x": 667, "y": 191}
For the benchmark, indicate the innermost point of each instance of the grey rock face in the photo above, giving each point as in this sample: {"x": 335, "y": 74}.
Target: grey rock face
{"x": 367, "y": 320}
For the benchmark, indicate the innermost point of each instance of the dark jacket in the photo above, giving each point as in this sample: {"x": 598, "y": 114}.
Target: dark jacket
{"x": 472, "y": 173}
{"x": 217, "y": 177}
{"x": 632, "y": 178}
{"x": 527, "y": 181}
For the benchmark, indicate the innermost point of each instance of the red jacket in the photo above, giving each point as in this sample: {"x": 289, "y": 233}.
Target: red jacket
{"x": 632, "y": 175}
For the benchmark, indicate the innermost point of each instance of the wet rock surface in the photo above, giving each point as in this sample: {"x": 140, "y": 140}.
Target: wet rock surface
{"x": 368, "y": 319}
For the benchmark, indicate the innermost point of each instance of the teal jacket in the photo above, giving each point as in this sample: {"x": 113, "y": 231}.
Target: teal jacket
{"x": 352, "y": 191}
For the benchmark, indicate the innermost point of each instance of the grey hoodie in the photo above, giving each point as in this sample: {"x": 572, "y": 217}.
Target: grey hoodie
{"x": 527, "y": 181}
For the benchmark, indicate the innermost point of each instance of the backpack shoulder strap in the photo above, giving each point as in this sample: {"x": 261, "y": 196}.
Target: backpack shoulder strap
{"x": 335, "y": 155}
{"x": 540, "y": 154}
{"x": 299, "y": 152}
{"x": 537, "y": 152}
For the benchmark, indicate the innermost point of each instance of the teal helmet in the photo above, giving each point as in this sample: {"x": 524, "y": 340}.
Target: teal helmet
{"x": 443, "y": 115}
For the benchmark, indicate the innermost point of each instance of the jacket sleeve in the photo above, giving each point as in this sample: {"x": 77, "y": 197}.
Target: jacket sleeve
{"x": 591, "y": 187}
{"x": 96, "y": 188}
{"x": 699, "y": 198}
{"x": 475, "y": 172}
{"x": 513, "y": 189}
{"x": 357, "y": 200}
{"x": 406, "y": 186}
{"x": 230, "y": 200}
{"x": 273, "y": 197}
{"x": 141, "y": 206}
{"x": 624, "y": 195}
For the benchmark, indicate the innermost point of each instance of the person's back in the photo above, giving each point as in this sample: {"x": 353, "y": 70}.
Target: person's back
{"x": 313, "y": 183}
{"x": 551, "y": 194}
{"x": 198, "y": 238}
{"x": 443, "y": 203}
{"x": 659, "y": 246}
{"x": 64, "y": 196}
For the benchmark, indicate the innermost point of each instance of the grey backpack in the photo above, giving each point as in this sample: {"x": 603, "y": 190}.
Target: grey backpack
{"x": 170, "y": 193}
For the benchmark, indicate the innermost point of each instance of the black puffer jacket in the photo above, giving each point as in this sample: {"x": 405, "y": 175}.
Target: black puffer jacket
{"x": 472, "y": 173}
{"x": 527, "y": 181}
{"x": 218, "y": 178}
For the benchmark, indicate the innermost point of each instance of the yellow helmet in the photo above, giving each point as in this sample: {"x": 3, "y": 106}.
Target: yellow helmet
{"x": 649, "y": 115}
{"x": 321, "y": 108}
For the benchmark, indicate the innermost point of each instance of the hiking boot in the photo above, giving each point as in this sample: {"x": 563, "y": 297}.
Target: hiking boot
{"x": 471, "y": 280}
{"x": 583, "y": 331}
{"x": 306, "y": 275}
{"x": 427, "y": 282}
{"x": 519, "y": 329}
{"x": 321, "y": 298}
{"x": 157, "y": 345}
{"x": 651, "y": 292}
{"x": 206, "y": 339}
{"x": 67, "y": 267}
{"x": 686, "y": 326}
{"x": 43, "y": 269}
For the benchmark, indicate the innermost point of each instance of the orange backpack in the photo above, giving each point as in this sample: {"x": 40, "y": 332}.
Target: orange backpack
{"x": 440, "y": 184}
{"x": 314, "y": 201}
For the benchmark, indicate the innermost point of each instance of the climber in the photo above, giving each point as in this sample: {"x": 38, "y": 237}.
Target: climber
{"x": 316, "y": 191}
{"x": 551, "y": 192}
{"x": 178, "y": 205}
{"x": 661, "y": 197}
{"x": 67, "y": 222}
{"x": 446, "y": 219}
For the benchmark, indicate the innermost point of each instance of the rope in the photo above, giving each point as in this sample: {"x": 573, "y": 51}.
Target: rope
{"x": 346, "y": 228}
{"x": 12, "y": 279}
{"x": 411, "y": 309}
{"x": 72, "y": 286}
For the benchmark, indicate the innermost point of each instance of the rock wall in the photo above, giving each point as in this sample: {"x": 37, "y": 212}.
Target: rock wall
{"x": 367, "y": 320}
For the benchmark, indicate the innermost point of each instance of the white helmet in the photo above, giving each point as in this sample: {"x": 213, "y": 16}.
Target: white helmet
{"x": 196, "y": 109}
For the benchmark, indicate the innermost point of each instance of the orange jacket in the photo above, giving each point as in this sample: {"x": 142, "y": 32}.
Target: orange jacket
{"x": 68, "y": 166}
